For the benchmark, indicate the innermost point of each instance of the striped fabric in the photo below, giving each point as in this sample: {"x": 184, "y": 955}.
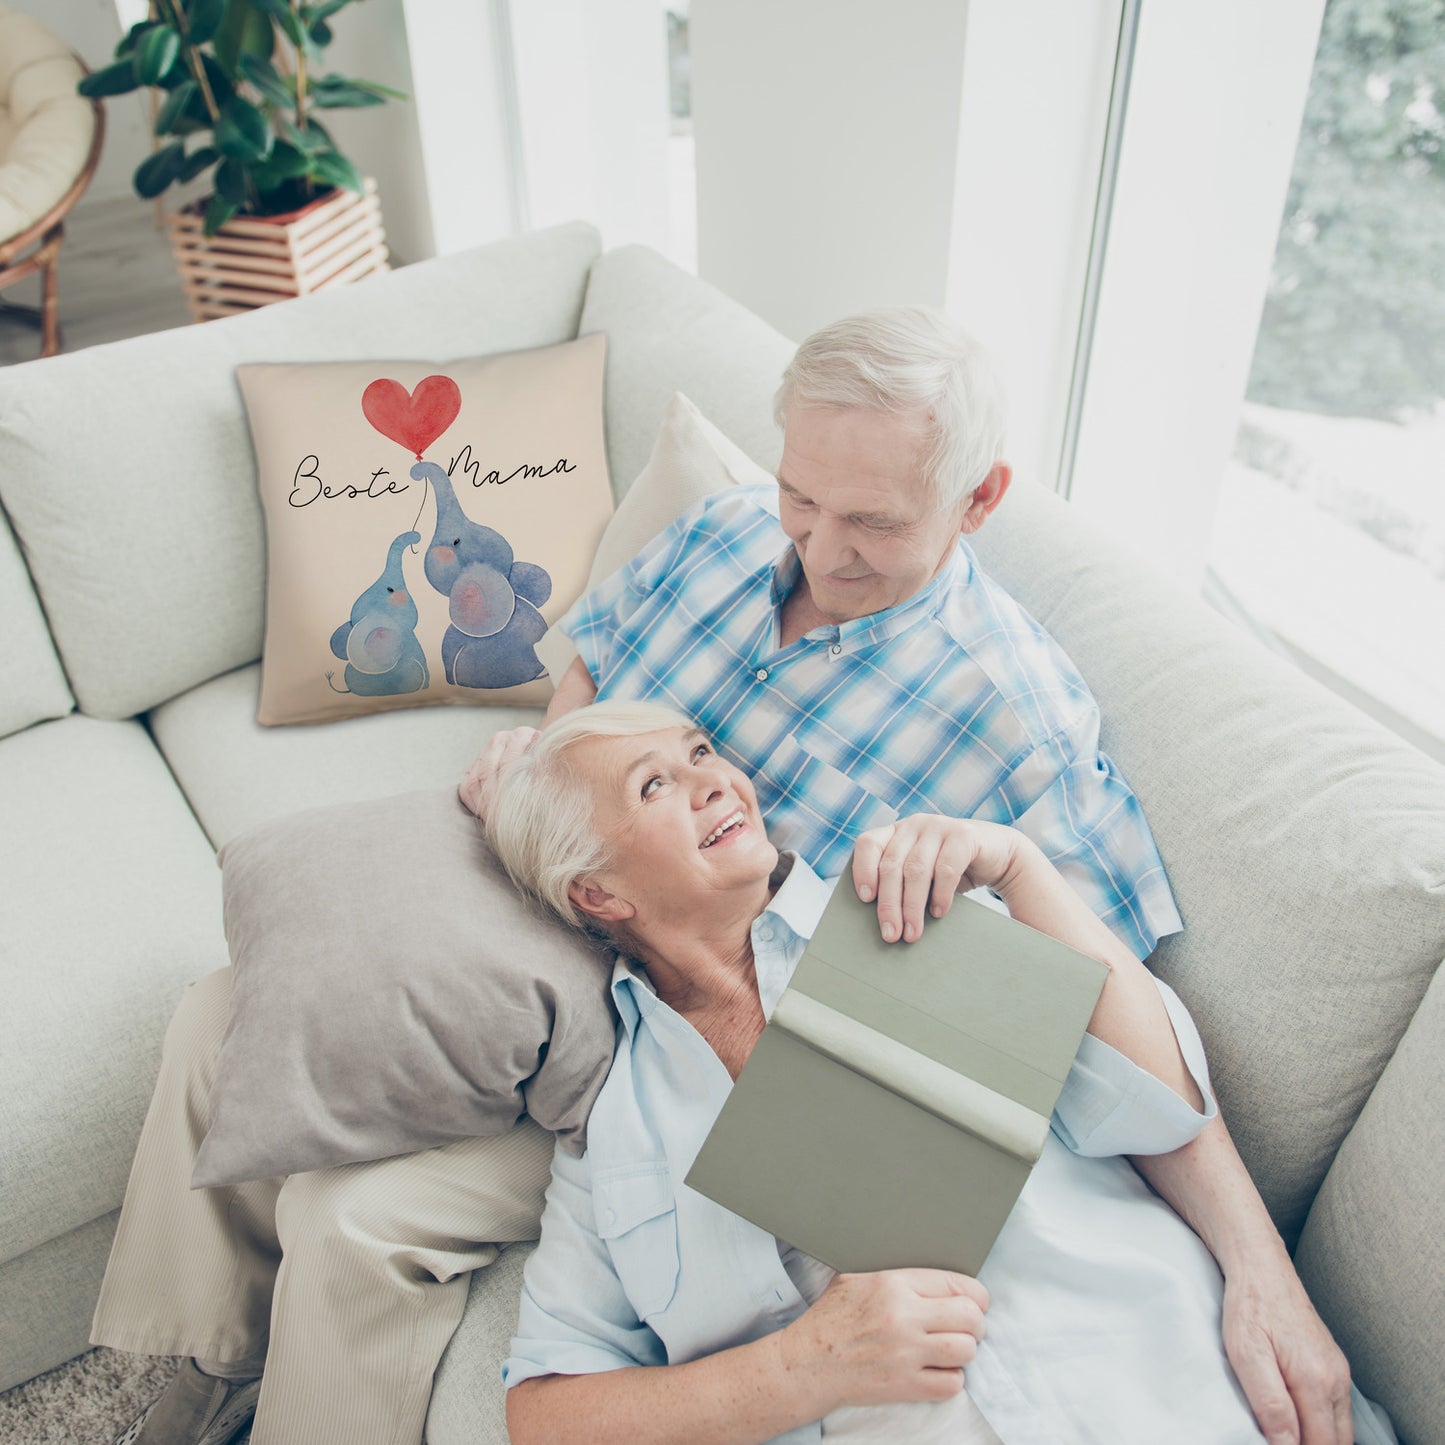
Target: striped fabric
{"x": 954, "y": 702}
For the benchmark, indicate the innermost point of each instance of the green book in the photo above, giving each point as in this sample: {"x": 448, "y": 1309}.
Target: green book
{"x": 900, "y": 1094}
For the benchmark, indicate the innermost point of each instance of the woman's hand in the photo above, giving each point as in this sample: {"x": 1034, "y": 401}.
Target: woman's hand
{"x": 900, "y": 1334}
{"x": 479, "y": 781}
{"x": 918, "y": 864}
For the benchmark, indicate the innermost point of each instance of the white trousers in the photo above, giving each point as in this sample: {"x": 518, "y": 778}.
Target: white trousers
{"x": 350, "y": 1281}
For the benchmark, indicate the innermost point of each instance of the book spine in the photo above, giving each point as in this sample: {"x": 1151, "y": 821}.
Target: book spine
{"x": 953, "y": 1097}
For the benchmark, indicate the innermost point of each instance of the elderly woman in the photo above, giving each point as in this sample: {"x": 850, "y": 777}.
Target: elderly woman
{"x": 653, "y": 1314}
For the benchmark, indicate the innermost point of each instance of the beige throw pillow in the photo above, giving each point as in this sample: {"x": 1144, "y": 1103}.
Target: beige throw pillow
{"x": 424, "y": 523}
{"x": 691, "y": 459}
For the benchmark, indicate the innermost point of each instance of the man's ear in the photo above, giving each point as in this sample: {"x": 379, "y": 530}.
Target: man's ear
{"x": 986, "y": 496}
{"x": 596, "y": 902}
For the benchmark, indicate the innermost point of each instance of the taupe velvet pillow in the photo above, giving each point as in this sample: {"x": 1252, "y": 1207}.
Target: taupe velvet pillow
{"x": 393, "y": 992}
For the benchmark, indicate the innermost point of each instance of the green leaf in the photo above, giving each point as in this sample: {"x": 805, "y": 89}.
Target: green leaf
{"x": 157, "y": 171}
{"x": 131, "y": 38}
{"x": 244, "y": 31}
{"x": 242, "y": 132}
{"x": 278, "y": 89}
{"x": 218, "y": 212}
{"x": 197, "y": 161}
{"x": 378, "y": 89}
{"x": 158, "y": 50}
{"x": 312, "y": 140}
{"x": 332, "y": 92}
{"x": 319, "y": 33}
{"x": 117, "y": 79}
{"x": 324, "y": 11}
{"x": 287, "y": 162}
{"x": 222, "y": 85}
{"x": 285, "y": 17}
{"x": 231, "y": 182}
{"x": 333, "y": 168}
{"x": 203, "y": 19}
{"x": 173, "y": 111}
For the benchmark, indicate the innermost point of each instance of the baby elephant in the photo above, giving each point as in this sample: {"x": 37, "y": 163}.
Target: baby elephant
{"x": 379, "y": 646}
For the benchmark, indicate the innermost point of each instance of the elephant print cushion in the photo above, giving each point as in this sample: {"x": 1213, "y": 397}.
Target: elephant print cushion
{"x": 425, "y": 523}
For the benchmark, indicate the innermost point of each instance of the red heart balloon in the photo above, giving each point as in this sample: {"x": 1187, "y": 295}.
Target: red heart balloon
{"x": 414, "y": 419}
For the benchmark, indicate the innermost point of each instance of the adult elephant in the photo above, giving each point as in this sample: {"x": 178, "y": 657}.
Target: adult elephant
{"x": 493, "y": 599}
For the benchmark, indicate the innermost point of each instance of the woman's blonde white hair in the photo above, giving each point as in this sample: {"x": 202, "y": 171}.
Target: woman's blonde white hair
{"x": 908, "y": 361}
{"x": 542, "y": 823}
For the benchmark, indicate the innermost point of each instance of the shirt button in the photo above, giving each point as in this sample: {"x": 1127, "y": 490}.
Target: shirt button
{"x": 761, "y": 674}
{"x": 836, "y": 648}
{"x": 765, "y": 933}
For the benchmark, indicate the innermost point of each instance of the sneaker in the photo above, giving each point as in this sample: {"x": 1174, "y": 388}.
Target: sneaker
{"x": 195, "y": 1409}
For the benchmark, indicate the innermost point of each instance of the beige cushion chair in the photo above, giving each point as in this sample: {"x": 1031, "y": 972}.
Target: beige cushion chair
{"x": 50, "y": 139}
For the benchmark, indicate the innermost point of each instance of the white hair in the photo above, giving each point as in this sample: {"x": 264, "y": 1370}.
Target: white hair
{"x": 542, "y": 821}
{"x": 908, "y": 360}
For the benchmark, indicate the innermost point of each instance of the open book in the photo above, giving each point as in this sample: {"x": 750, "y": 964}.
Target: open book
{"x": 900, "y": 1094}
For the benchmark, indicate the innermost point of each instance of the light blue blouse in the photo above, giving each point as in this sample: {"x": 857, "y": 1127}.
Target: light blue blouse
{"x": 1105, "y": 1316}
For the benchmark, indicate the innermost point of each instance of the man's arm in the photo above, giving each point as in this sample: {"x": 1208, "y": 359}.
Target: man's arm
{"x": 475, "y": 789}
{"x": 1295, "y": 1377}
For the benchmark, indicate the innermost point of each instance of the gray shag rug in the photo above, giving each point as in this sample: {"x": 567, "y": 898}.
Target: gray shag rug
{"x": 86, "y": 1402}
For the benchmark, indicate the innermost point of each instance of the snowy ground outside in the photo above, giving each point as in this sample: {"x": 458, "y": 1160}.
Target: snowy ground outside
{"x": 1339, "y": 548}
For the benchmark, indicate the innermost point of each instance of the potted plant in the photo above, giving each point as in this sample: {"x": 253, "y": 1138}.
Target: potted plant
{"x": 239, "y": 85}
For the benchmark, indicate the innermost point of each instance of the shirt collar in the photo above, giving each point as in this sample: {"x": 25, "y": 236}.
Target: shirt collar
{"x": 779, "y": 933}
{"x": 879, "y": 626}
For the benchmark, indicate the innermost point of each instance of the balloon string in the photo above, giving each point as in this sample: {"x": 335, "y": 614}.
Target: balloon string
{"x": 419, "y": 506}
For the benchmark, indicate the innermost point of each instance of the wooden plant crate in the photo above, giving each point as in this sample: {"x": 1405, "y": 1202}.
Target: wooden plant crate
{"x": 255, "y": 260}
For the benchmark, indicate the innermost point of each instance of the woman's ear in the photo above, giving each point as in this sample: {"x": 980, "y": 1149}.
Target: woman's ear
{"x": 596, "y": 902}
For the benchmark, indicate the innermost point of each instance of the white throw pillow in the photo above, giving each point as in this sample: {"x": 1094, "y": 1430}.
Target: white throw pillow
{"x": 691, "y": 459}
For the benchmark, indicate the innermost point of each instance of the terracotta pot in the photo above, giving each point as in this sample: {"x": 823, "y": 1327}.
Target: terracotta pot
{"x": 255, "y": 260}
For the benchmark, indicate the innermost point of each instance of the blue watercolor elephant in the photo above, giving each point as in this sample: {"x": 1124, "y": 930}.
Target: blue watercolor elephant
{"x": 493, "y": 599}
{"x": 379, "y": 646}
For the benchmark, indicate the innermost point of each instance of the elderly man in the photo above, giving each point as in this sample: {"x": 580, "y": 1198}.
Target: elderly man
{"x": 837, "y": 639}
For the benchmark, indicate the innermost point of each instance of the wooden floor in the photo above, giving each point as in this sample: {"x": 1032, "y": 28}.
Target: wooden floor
{"x": 117, "y": 279}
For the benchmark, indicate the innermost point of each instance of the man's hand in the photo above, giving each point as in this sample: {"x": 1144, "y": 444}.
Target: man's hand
{"x": 477, "y": 784}
{"x": 1295, "y": 1377}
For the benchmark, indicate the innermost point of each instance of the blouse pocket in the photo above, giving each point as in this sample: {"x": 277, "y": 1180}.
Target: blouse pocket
{"x": 637, "y": 1217}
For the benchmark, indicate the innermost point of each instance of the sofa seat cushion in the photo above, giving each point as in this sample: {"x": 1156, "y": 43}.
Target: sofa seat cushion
{"x": 138, "y": 510}
{"x": 111, "y": 904}
{"x": 236, "y": 773}
{"x": 669, "y": 332}
{"x": 1302, "y": 841}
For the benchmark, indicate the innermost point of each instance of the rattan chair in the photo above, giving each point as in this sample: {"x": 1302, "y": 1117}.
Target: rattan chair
{"x": 50, "y": 139}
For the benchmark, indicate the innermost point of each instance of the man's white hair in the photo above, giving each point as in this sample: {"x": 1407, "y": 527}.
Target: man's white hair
{"x": 542, "y": 821}
{"x": 908, "y": 360}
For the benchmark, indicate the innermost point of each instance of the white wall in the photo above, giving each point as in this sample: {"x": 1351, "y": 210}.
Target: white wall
{"x": 1036, "y": 84}
{"x": 1213, "y": 120}
{"x": 827, "y": 147}
{"x": 92, "y": 30}
{"x": 593, "y": 114}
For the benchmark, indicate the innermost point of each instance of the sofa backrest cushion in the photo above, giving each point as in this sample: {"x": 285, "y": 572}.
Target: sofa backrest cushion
{"x": 35, "y": 687}
{"x": 1302, "y": 841}
{"x": 129, "y": 475}
{"x": 669, "y": 332}
{"x": 1373, "y": 1251}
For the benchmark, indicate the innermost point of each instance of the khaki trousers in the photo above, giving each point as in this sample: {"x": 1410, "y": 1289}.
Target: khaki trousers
{"x": 350, "y": 1281}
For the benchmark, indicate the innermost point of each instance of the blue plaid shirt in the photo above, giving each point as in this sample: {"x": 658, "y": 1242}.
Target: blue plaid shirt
{"x": 954, "y": 702}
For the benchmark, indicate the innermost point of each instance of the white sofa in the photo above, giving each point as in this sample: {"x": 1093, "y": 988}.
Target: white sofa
{"x": 1305, "y": 845}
